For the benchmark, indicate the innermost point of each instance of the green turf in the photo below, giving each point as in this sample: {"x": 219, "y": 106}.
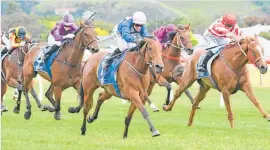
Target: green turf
{"x": 210, "y": 130}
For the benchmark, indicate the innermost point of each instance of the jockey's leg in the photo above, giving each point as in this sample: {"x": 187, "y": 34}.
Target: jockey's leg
{"x": 50, "y": 51}
{"x": 113, "y": 55}
{"x": 203, "y": 62}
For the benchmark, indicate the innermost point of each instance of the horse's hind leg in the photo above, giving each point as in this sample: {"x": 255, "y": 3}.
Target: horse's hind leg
{"x": 102, "y": 97}
{"x": 128, "y": 118}
{"x": 77, "y": 109}
{"x": 87, "y": 96}
{"x": 149, "y": 91}
{"x": 34, "y": 94}
{"x": 200, "y": 96}
{"x": 248, "y": 90}
{"x": 49, "y": 96}
{"x": 136, "y": 99}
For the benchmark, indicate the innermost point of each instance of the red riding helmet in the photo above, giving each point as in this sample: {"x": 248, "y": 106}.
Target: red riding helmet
{"x": 229, "y": 18}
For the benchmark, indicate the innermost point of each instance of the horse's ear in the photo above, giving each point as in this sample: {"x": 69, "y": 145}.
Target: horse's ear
{"x": 81, "y": 23}
{"x": 187, "y": 27}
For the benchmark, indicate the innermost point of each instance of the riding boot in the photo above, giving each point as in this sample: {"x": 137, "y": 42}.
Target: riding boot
{"x": 203, "y": 63}
{"x": 50, "y": 51}
{"x": 5, "y": 50}
{"x": 108, "y": 60}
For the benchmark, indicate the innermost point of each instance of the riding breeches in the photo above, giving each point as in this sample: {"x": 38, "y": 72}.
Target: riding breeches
{"x": 52, "y": 42}
{"x": 6, "y": 42}
{"x": 122, "y": 44}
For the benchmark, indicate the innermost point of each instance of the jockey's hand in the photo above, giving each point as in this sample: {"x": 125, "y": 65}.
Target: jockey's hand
{"x": 230, "y": 35}
{"x": 22, "y": 43}
{"x": 69, "y": 36}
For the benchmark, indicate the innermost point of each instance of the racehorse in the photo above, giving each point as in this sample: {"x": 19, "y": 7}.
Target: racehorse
{"x": 228, "y": 73}
{"x": 11, "y": 75}
{"x": 66, "y": 69}
{"x": 171, "y": 55}
{"x": 133, "y": 79}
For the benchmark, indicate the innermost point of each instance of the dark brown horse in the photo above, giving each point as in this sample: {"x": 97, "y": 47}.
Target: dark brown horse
{"x": 228, "y": 71}
{"x": 66, "y": 69}
{"x": 133, "y": 79}
{"x": 12, "y": 75}
{"x": 171, "y": 55}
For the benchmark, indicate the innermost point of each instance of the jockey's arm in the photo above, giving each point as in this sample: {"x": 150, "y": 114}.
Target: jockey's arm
{"x": 27, "y": 39}
{"x": 12, "y": 39}
{"x": 126, "y": 33}
{"x": 57, "y": 36}
{"x": 144, "y": 32}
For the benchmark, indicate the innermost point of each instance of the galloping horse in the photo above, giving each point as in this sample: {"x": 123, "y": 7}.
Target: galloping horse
{"x": 11, "y": 75}
{"x": 66, "y": 69}
{"x": 180, "y": 40}
{"x": 133, "y": 79}
{"x": 228, "y": 72}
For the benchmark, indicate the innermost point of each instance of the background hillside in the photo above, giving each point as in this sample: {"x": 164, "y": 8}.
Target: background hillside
{"x": 40, "y": 16}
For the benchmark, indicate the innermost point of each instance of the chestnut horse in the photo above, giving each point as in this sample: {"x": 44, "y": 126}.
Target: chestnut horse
{"x": 228, "y": 71}
{"x": 133, "y": 79}
{"x": 66, "y": 69}
{"x": 180, "y": 40}
{"x": 12, "y": 75}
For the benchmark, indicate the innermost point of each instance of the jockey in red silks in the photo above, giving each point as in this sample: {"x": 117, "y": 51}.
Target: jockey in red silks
{"x": 220, "y": 33}
{"x": 63, "y": 29}
{"x": 162, "y": 34}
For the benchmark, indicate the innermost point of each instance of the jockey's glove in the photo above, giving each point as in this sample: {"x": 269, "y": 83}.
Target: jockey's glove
{"x": 69, "y": 36}
{"x": 22, "y": 43}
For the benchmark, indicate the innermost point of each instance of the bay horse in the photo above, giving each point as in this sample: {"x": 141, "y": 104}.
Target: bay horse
{"x": 66, "y": 69}
{"x": 228, "y": 72}
{"x": 133, "y": 79}
{"x": 171, "y": 55}
{"x": 11, "y": 75}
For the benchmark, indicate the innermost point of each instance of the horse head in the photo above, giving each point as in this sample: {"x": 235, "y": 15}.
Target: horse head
{"x": 152, "y": 53}
{"x": 182, "y": 38}
{"x": 252, "y": 49}
{"x": 88, "y": 36}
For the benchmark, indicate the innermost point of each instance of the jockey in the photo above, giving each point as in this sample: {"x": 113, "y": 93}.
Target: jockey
{"x": 14, "y": 38}
{"x": 223, "y": 28}
{"x": 127, "y": 31}
{"x": 62, "y": 30}
{"x": 163, "y": 35}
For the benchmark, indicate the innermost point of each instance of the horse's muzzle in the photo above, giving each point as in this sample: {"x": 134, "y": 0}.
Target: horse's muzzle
{"x": 263, "y": 69}
{"x": 158, "y": 68}
{"x": 189, "y": 51}
{"x": 93, "y": 50}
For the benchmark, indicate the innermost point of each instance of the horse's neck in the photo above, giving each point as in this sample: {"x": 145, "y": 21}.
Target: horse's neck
{"x": 75, "y": 51}
{"x": 235, "y": 58}
{"x": 172, "y": 50}
{"x": 139, "y": 62}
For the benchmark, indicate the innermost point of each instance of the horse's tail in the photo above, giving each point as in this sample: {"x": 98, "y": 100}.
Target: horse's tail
{"x": 178, "y": 71}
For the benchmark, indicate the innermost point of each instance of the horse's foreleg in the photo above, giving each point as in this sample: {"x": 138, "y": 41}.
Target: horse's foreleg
{"x": 128, "y": 118}
{"x": 200, "y": 96}
{"x": 49, "y": 96}
{"x": 3, "y": 92}
{"x": 58, "y": 94}
{"x": 88, "y": 101}
{"x": 135, "y": 98}
{"x": 27, "y": 113}
{"x": 77, "y": 109}
{"x": 246, "y": 88}
{"x": 226, "y": 97}
{"x": 102, "y": 97}
{"x": 149, "y": 91}
{"x": 163, "y": 82}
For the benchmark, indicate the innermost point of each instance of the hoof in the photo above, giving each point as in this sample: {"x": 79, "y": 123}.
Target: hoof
{"x": 268, "y": 118}
{"x": 156, "y": 110}
{"x": 189, "y": 124}
{"x": 90, "y": 119}
{"x": 83, "y": 131}
{"x": 4, "y": 109}
{"x": 43, "y": 108}
{"x": 73, "y": 110}
{"x": 165, "y": 108}
{"x": 199, "y": 107}
{"x": 155, "y": 133}
{"x": 57, "y": 116}
{"x": 27, "y": 115}
{"x": 16, "y": 110}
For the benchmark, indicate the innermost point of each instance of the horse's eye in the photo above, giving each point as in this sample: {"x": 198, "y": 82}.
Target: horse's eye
{"x": 181, "y": 38}
{"x": 149, "y": 49}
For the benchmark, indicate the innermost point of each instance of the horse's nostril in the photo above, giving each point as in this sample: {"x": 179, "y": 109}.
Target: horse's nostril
{"x": 159, "y": 67}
